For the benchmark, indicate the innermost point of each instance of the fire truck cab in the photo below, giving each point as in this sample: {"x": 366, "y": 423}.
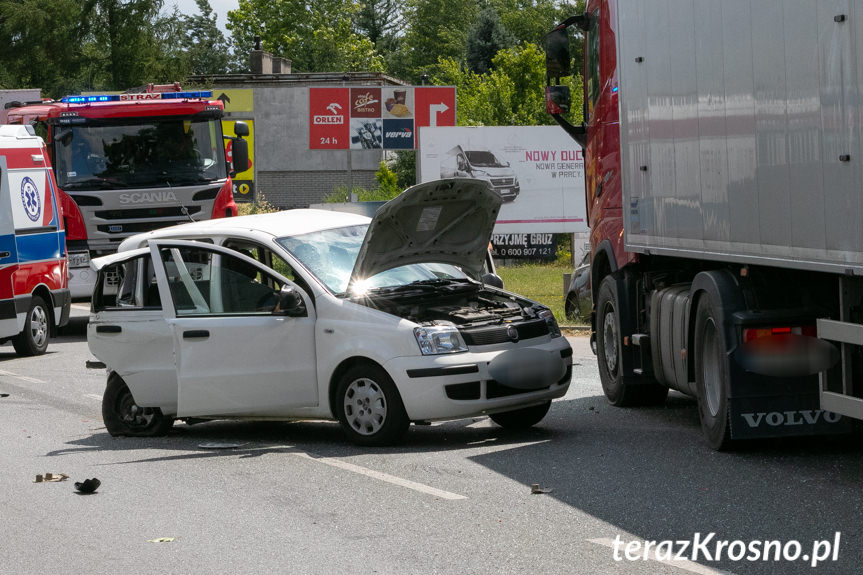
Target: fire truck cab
{"x": 134, "y": 162}
{"x": 34, "y": 295}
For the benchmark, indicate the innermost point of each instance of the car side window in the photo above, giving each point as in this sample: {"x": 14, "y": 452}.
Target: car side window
{"x": 203, "y": 282}
{"x": 128, "y": 285}
{"x": 270, "y": 259}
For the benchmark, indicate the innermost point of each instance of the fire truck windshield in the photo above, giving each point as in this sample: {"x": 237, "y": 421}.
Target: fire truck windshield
{"x": 139, "y": 153}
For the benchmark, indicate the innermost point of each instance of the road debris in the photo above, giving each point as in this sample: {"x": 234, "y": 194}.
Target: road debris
{"x": 51, "y": 478}
{"x": 88, "y": 486}
{"x": 4, "y": 395}
{"x": 535, "y": 489}
{"x": 161, "y": 540}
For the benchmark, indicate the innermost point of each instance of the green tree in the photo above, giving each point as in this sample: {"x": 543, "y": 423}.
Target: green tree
{"x": 40, "y": 40}
{"x": 512, "y": 94}
{"x": 380, "y": 21}
{"x": 435, "y": 29}
{"x": 486, "y": 38}
{"x": 137, "y": 45}
{"x": 316, "y": 36}
{"x": 206, "y": 48}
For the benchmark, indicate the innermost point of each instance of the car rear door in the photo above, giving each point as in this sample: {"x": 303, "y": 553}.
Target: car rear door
{"x": 235, "y": 354}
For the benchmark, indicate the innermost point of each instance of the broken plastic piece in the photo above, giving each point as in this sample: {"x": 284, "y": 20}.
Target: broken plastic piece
{"x": 51, "y": 477}
{"x": 161, "y": 540}
{"x": 88, "y": 485}
{"x": 4, "y": 395}
{"x": 535, "y": 489}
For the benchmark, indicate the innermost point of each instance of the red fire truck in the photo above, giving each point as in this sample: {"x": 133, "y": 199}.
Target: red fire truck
{"x": 133, "y": 162}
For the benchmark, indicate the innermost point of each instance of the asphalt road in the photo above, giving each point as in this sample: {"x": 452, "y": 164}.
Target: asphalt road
{"x": 452, "y": 498}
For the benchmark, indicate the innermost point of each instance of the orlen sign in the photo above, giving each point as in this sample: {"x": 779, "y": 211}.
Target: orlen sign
{"x": 328, "y": 110}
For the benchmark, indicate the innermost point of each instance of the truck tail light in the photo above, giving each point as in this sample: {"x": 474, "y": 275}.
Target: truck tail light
{"x": 751, "y": 334}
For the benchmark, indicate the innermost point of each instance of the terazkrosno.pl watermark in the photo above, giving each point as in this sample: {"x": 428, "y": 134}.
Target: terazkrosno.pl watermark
{"x": 708, "y": 548}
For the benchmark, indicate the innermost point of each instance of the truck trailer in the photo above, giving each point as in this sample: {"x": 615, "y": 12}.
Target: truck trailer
{"x": 133, "y": 162}
{"x": 723, "y": 145}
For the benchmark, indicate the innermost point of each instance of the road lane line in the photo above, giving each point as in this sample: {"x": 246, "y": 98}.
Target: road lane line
{"x": 392, "y": 479}
{"x": 93, "y": 396}
{"x": 28, "y": 379}
{"x": 684, "y": 564}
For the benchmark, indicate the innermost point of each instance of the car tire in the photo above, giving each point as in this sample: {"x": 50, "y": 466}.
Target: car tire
{"x": 711, "y": 376}
{"x": 609, "y": 346}
{"x": 122, "y": 416}
{"x": 570, "y": 306}
{"x": 369, "y": 407}
{"x": 521, "y": 418}
{"x": 33, "y": 339}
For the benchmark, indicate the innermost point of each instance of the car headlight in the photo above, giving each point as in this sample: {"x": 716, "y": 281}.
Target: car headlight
{"x": 439, "y": 339}
{"x": 553, "y": 328}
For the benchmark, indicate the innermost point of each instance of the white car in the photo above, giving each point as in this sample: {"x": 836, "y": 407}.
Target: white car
{"x": 311, "y": 314}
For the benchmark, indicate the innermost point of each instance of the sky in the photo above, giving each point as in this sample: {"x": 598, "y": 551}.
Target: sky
{"x": 220, "y": 7}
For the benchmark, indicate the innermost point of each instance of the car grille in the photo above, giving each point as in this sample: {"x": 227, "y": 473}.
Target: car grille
{"x": 138, "y": 213}
{"x": 498, "y": 182}
{"x": 491, "y": 335}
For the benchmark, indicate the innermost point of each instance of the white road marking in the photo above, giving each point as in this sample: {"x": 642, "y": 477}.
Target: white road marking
{"x": 93, "y": 396}
{"x": 384, "y": 477}
{"x": 21, "y": 377}
{"x": 683, "y": 564}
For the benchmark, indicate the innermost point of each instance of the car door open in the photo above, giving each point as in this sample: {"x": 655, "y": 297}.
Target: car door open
{"x": 236, "y": 353}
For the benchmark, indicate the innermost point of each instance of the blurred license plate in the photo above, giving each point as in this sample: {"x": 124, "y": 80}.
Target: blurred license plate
{"x": 79, "y": 260}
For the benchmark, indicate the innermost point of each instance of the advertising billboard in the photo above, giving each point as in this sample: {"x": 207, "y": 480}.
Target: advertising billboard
{"x": 376, "y": 117}
{"x": 537, "y": 170}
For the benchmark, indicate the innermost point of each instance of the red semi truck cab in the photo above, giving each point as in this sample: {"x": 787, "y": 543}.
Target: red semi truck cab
{"x": 133, "y": 162}
{"x": 723, "y": 195}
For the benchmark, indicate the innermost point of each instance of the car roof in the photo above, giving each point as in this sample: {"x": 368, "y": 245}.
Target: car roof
{"x": 277, "y": 224}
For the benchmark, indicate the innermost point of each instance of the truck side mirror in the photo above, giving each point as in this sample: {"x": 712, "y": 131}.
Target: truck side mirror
{"x": 241, "y": 129}
{"x": 557, "y": 99}
{"x": 558, "y": 62}
{"x": 239, "y": 154}
{"x": 291, "y": 302}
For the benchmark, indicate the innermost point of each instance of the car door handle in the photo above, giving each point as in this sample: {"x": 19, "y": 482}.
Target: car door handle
{"x": 196, "y": 333}
{"x": 108, "y": 329}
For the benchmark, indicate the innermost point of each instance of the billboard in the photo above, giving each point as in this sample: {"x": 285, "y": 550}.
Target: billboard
{"x": 537, "y": 170}
{"x": 376, "y": 117}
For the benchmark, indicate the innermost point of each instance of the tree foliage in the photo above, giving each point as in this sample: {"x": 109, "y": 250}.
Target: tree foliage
{"x": 207, "y": 50}
{"x": 316, "y": 36}
{"x": 486, "y": 38}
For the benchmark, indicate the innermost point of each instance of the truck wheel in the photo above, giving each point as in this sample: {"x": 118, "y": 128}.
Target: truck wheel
{"x": 609, "y": 345}
{"x": 521, "y": 418}
{"x": 369, "y": 407}
{"x": 122, "y": 416}
{"x": 33, "y": 340}
{"x": 711, "y": 376}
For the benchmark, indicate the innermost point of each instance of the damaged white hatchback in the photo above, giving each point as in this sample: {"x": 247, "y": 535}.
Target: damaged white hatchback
{"x": 312, "y": 314}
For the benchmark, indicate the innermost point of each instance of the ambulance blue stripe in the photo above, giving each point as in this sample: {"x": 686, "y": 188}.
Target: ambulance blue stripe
{"x": 7, "y": 244}
{"x": 39, "y": 247}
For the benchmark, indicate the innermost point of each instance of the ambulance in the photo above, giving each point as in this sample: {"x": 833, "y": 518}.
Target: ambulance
{"x": 34, "y": 293}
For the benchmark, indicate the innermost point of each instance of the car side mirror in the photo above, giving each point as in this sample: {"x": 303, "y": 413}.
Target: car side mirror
{"x": 493, "y": 280}
{"x": 241, "y": 129}
{"x": 291, "y": 302}
{"x": 239, "y": 155}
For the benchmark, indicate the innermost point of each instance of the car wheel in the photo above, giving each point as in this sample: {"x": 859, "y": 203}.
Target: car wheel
{"x": 711, "y": 376}
{"x": 609, "y": 345}
{"x": 123, "y": 416}
{"x": 33, "y": 340}
{"x": 369, "y": 407}
{"x": 521, "y": 418}
{"x": 570, "y": 306}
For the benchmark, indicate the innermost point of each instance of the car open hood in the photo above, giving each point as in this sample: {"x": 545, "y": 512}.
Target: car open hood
{"x": 444, "y": 221}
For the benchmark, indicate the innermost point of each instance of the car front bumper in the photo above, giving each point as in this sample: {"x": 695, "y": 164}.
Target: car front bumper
{"x": 462, "y": 385}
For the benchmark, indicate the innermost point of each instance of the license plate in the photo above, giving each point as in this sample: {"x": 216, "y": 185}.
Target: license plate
{"x": 504, "y": 191}
{"x": 79, "y": 260}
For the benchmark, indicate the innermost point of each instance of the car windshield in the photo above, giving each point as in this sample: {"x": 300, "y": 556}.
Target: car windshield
{"x": 483, "y": 159}
{"x": 139, "y": 153}
{"x": 330, "y": 255}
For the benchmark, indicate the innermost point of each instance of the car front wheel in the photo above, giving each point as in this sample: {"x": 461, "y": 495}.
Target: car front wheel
{"x": 33, "y": 340}
{"x": 521, "y": 418}
{"x": 123, "y": 416}
{"x": 369, "y": 407}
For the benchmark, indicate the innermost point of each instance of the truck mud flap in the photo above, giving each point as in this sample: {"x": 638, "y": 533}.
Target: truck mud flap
{"x": 783, "y": 416}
